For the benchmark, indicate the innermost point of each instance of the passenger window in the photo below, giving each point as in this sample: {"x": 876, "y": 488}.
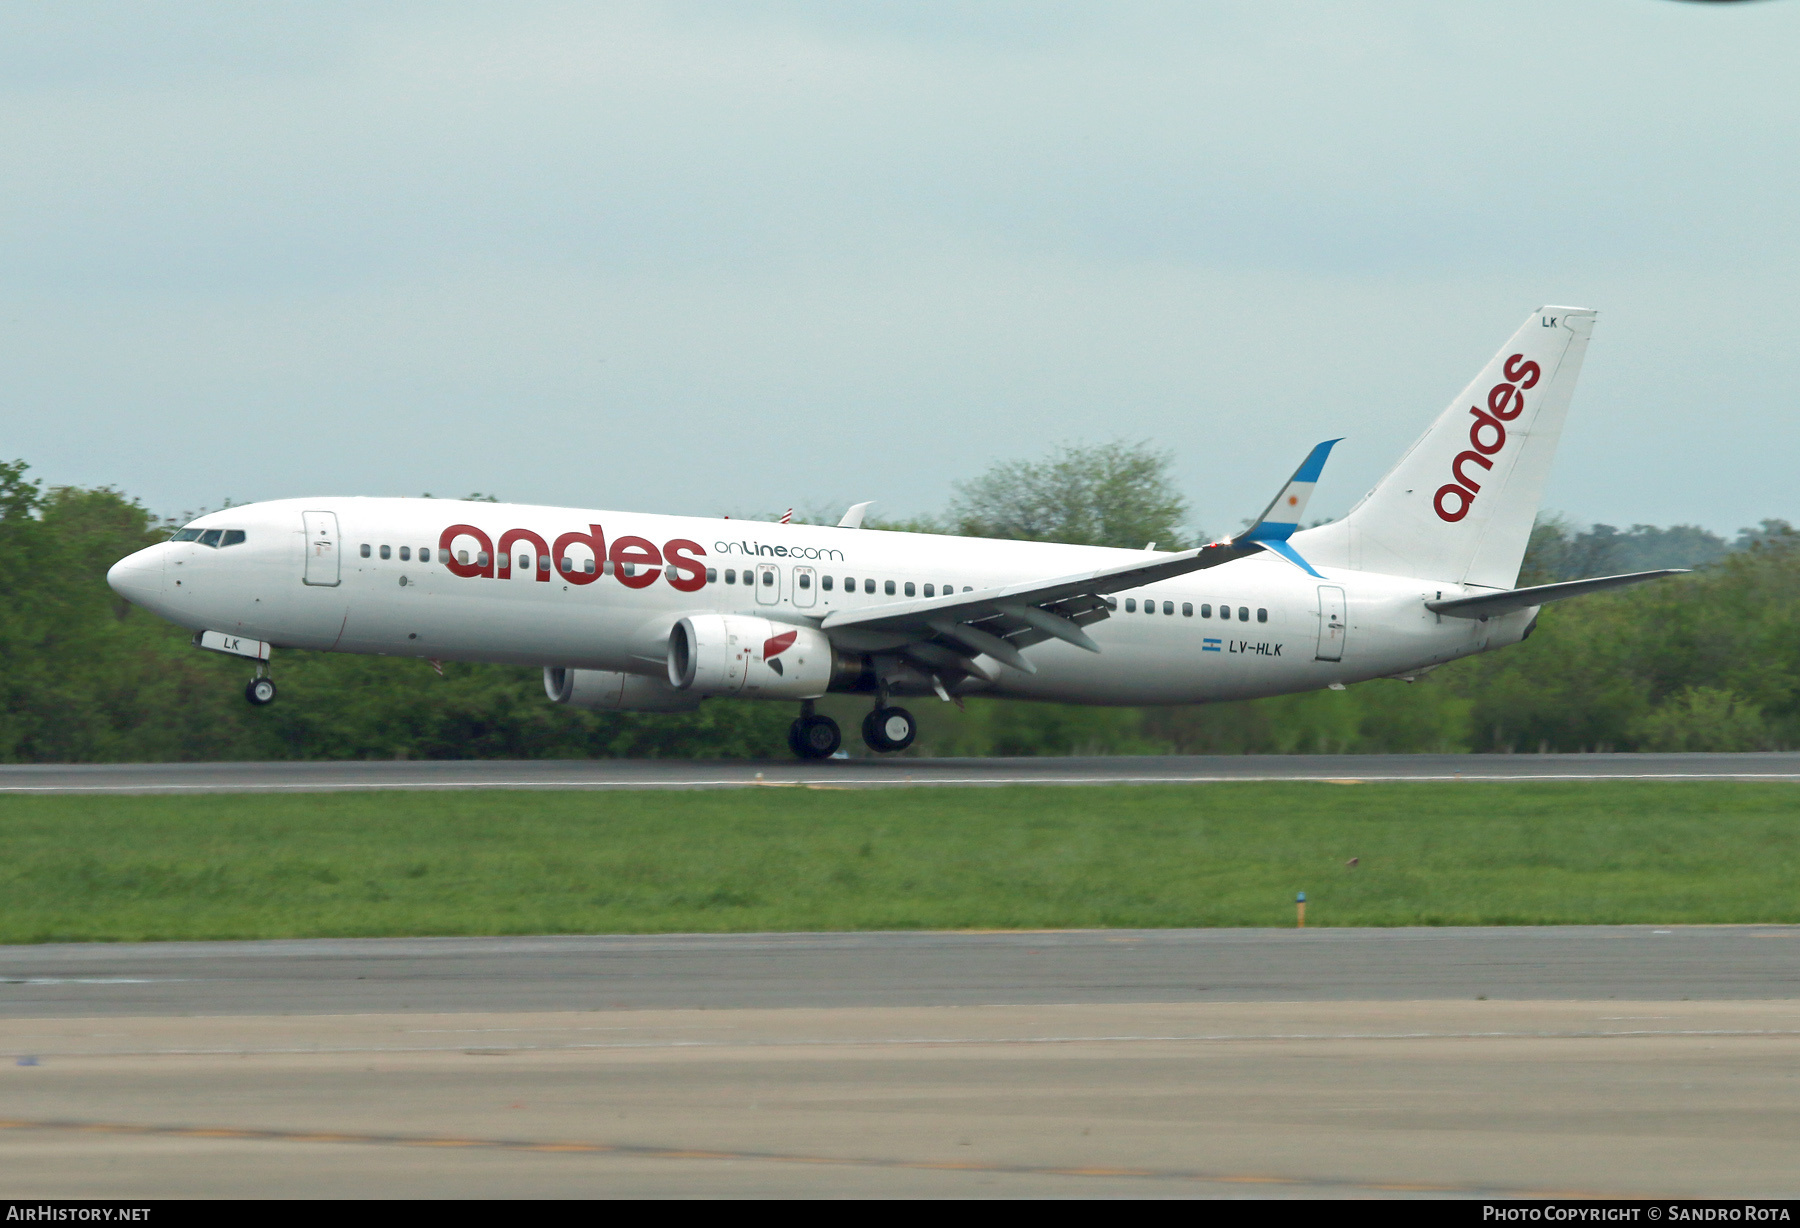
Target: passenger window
{"x": 909, "y": 588}
{"x": 1262, "y": 616}
{"x": 386, "y": 553}
{"x": 869, "y": 587}
{"x": 462, "y": 556}
{"x": 1131, "y": 605}
{"x": 232, "y": 537}
{"x": 1243, "y": 613}
{"x": 406, "y": 554}
{"x": 566, "y": 563}
{"x": 712, "y": 573}
{"x": 849, "y": 584}
{"x": 931, "y": 590}
{"x": 587, "y": 565}
{"x": 1205, "y": 610}
{"x": 481, "y": 558}
{"x": 1168, "y": 607}
{"x": 825, "y": 582}
{"x": 730, "y": 574}
{"x": 424, "y": 554}
{"x": 768, "y": 577}
{"x": 805, "y": 580}
{"x": 1187, "y": 609}
{"x": 210, "y": 538}
{"x": 186, "y": 535}
{"x": 888, "y": 588}
{"x": 543, "y": 562}
{"x": 365, "y": 551}
{"x": 967, "y": 589}
{"x": 606, "y": 568}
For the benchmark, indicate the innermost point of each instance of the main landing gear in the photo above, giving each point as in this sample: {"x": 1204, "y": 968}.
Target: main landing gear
{"x": 260, "y": 690}
{"x": 889, "y": 729}
{"x": 814, "y": 736}
{"x": 886, "y": 729}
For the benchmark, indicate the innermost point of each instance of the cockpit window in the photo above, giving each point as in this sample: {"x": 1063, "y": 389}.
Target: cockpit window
{"x": 233, "y": 537}
{"x": 186, "y": 535}
{"x": 211, "y": 537}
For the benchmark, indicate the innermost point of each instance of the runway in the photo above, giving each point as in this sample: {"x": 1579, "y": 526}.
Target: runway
{"x": 282, "y": 777}
{"x": 1609, "y": 1061}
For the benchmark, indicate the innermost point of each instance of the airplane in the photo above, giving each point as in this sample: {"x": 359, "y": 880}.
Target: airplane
{"x": 653, "y": 613}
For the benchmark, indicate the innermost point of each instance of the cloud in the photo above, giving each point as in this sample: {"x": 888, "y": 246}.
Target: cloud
{"x": 694, "y": 257}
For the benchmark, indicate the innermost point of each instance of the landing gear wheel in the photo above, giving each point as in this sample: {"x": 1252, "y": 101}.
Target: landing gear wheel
{"x": 889, "y": 729}
{"x": 815, "y": 737}
{"x": 260, "y": 692}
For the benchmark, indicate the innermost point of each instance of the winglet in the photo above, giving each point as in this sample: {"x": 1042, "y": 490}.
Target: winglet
{"x": 1282, "y": 517}
{"x": 854, "y": 517}
{"x": 1286, "y": 551}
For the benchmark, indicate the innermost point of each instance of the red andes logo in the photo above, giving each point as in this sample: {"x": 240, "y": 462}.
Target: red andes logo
{"x": 775, "y": 645}
{"x": 635, "y": 562}
{"x": 1487, "y": 437}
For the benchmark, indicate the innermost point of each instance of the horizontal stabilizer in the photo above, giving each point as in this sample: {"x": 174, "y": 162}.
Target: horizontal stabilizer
{"x": 1491, "y": 605}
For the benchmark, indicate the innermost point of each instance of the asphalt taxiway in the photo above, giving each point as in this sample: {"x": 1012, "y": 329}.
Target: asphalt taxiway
{"x": 773, "y": 971}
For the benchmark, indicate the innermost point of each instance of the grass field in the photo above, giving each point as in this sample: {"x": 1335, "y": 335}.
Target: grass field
{"x": 257, "y": 866}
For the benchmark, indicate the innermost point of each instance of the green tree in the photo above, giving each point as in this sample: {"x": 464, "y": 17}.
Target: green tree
{"x": 1111, "y": 494}
{"x": 1704, "y": 718}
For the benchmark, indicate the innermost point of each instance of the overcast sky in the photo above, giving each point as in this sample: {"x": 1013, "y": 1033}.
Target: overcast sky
{"x": 728, "y": 257}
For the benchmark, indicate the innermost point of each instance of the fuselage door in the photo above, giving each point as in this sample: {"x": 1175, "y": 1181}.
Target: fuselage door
{"x": 768, "y": 584}
{"x": 1332, "y": 625}
{"x": 806, "y": 586}
{"x": 321, "y": 548}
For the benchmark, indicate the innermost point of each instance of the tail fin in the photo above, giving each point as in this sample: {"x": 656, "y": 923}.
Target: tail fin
{"x": 1459, "y": 505}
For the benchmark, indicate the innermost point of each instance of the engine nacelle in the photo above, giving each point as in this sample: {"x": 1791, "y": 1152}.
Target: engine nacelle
{"x": 604, "y": 690}
{"x": 735, "y": 654}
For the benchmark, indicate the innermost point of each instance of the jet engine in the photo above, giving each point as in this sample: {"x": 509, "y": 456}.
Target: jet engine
{"x": 735, "y": 654}
{"x": 605, "y": 690}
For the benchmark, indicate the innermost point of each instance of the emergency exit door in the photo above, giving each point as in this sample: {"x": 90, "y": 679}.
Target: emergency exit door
{"x": 805, "y": 591}
{"x": 1332, "y": 625}
{"x": 768, "y": 584}
{"x": 321, "y": 548}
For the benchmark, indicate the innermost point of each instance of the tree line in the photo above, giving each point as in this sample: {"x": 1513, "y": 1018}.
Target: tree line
{"x": 1709, "y": 661}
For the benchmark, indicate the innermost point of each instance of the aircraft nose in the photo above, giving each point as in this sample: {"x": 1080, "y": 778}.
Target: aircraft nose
{"x": 138, "y": 577}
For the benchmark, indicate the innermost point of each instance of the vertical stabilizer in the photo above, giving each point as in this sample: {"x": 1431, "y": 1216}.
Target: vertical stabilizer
{"x": 1460, "y": 504}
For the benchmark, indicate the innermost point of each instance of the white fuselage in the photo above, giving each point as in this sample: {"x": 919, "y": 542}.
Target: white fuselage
{"x": 328, "y": 575}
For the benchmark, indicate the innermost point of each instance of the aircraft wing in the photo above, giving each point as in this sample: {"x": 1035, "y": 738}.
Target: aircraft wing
{"x": 952, "y": 631}
{"x": 1000, "y": 621}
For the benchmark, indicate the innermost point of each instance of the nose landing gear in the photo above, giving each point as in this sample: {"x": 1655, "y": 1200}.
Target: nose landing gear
{"x": 260, "y": 690}
{"x": 814, "y": 736}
